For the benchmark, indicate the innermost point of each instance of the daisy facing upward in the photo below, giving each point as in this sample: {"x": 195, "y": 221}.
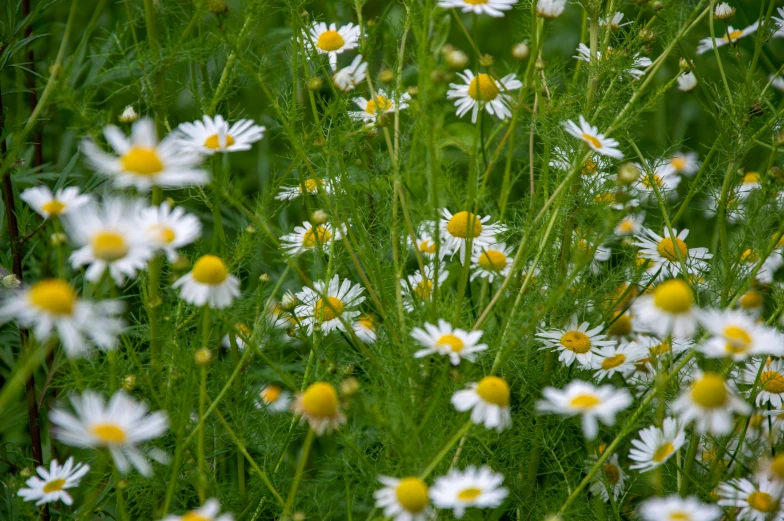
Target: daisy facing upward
{"x": 48, "y": 205}
{"x": 381, "y": 104}
{"x": 494, "y": 8}
{"x": 330, "y": 306}
{"x": 483, "y": 91}
{"x": 209, "y": 283}
{"x": 53, "y": 482}
{"x": 457, "y": 229}
{"x": 332, "y": 41}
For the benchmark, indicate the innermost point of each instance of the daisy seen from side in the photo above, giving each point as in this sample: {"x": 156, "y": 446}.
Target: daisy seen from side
{"x": 319, "y": 406}
{"x": 404, "y": 499}
{"x": 472, "y": 487}
{"x": 482, "y": 91}
{"x": 443, "y": 339}
{"x": 591, "y": 136}
{"x": 214, "y": 134}
{"x": 51, "y": 485}
{"x": 460, "y": 228}
{"x": 654, "y": 446}
{"x": 488, "y": 401}
{"x": 209, "y": 283}
{"x": 710, "y": 403}
{"x": 330, "y": 306}
{"x": 668, "y": 309}
{"x": 48, "y": 204}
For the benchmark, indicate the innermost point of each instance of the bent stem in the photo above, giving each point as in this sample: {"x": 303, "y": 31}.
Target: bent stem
{"x": 303, "y": 458}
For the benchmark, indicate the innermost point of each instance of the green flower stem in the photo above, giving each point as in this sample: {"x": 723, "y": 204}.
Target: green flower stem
{"x": 202, "y": 482}
{"x": 593, "y": 79}
{"x": 35, "y": 354}
{"x": 303, "y": 458}
{"x": 688, "y": 464}
{"x": 154, "y": 302}
{"x": 446, "y": 448}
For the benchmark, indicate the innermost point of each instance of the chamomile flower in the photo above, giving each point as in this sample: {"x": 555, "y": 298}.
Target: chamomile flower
{"x": 332, "y": 41}
{"x": 706, "y": 44}
{"x": 769, "y": 267}
{"x": 575, "y": 342}
{"x": 611, "y": 478}
{"x": 444, "y": 340}
{"x": 710, "y": 403}
{"x": 51, "y": 307}
{"x": 419, "y": 288}
{"x": 760, "y": 502}
{"x": 329, "y": 305}
{"x": 211, "y": 135}
{"x": 365, "y": 329}
{"x": 752, "y": 303}
{"x": 666, "y": 259}
{"x": 593, "y": 138}
{"x": 53, "y": 482}
{"x": 493, "y": 261}
{"x": 308, "y": 187}
{"x": 494, "y": 8}
{"x": 318, "y": 405}
{"x": 618, "y": 358}
{"x": 668, "y": 309}
{"x": 655, "y": 446}
{"x": 208, "y": 283}
{"x": 274, "y": 398}
{"x": 751, "y": 182}
{"x": 736, "y": 335}
{"x": 550, "y": 9}
{"x": 404, "y": 499}
{"x": 769, "y": 381}
{"x": 488, "y": 401}
{"x": 676, "y": 508}
{"x": 142, "y": 162}
{"x": 472, "y": 487}
{"x": 308, "y": 237}
{"x": 483, "y": 92}
{"x": 241, "y": 333}
{"x": 457, "y": 229}
{"x": 687, "y": 82}
{"x": 46, "y": 204}
{"x": 169, "y": 229}
{"x": 662, "y": 178}
{"x": 349, "y": 77}
{"x": 683, "y": 163}
{"x": 593, "y": 404}
{"x": 613, "y": 22}
{"x": 630, "y": 225}
{"x": 381, "y": 104}
{"x": 209, "y": 511}
{"x": 120, "y": 426}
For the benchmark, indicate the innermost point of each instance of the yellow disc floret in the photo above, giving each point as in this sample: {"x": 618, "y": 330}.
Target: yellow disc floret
{"x": 710, "y": 391}
{"x": 320, "y": 400}
{"x": 458, "y": 225}
{"x": 54, "y": 296}
{"x": 412, "y": 494}
{"x": 673, "y": 296}
{"x": 482, "y": 86}
{"x": 493, "y": 390}
{"x": 141, "y": 161}
{"x": 576, "y": 342}
{"x": 210, "y": 269}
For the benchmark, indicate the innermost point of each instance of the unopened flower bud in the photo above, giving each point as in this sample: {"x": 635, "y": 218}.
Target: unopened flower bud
{"x": 202, "y": 357}
{"x": 250, "y": 229}
{"x": 217, "y": 7}
{"x": 778, "y": 138}
{"x": 298, "y": 516}
{"x": 684, "y": 64}
{"x": 349, "y": 386}
{"x": 264, "y": 278}
{"x": 288, "y": 302}
{"x": 315, "y": 83}
{"x": 386, "y": 76}
{"x": 539, "y": 64}
{"x": 383, "y": 119}
{"x": 129, "y": 382}
{"x": 128, "y": 115}
{"x": 26, "y": 472}
{"x": 319, "y": 141}
{"x": 657, "y": 6}
{"x": 58, "y": 238}
{"x": 447, "y": 48}
{"x": 628, "y": 174}
{"x": 723, "y": 11}
{"x": 437, "y": 76}
{"x": 181, "y": 263}
{"x": 521, "y": 50}
{"x": 457, "y": 59}
{"x": 647, "y": 36}
{"x": 486, "y": 60}
{"x": 10, "y": 282}
{"x": 319, "y": 217}
{"x": 413, "y": 90}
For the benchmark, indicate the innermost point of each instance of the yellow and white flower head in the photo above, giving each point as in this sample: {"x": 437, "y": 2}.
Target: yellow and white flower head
{"x": 751, "y": 182}
{"x": 48, "y": 204}
{"x": 365, "y": 329}
{"x": 636, "y": 70}
{"x": 308, "y": 187}
{"x": 550, "y": 9}
{"x": 772, "y": 468}
{"x": 169, "y": 229}
{"x": 209, "y": 511}
{"x": 488, "y": 401}
{"x": 209, "y": 283}
{"x": 769, "y": 381}
{"x": 590, "y": 135}
{"x": 404, "y": 499}
{"x": 319, "y": 406}
{"x": 754, "y": 502}
{"x": 618, "y": 358}
{"x": 494, "y": 8}
{"x": 493, "y": 261}
{"x": 687, "y": 82}
{"x": 381, "y": 104}
{"x": 142, "y": 162}
{"x": 736, "y": 335}
{"x": 241, "y": 333}
{"x": 332, "y": 41}
{"x": 734, "y": 208}
{"x": 472, "y": 487}
{"x": 109, "y": 237}
{"x": 211, "y": 135}
{"x": 458, "y": 228}
{"x": 53, "y": 483}
{"x": 445, "y": 340}
{"x": 668, "y": 254}
{"x": 595, "y": 167}
{"x": 598, "y": 253}
{"x": 575, "y": 342}
{"x": 120, "y": 426}
{"x": 706, "y": 44}
{"x": 752, "y": 302}
{"x": 592, "y": 403}
{"x": 630, "y": 225}
{"x": 668, "y": 310}
{"x": 683, "y": 163}
{"x": 330, "y": 306}
{"x": 614, "y": 22}
{"x": 676, "y": 508}
{"x": 273, "y": 398}
{"x": 662, "y": 178}
{"x": 655, "y": 446}
{"x": 349, "y": 77}
{"x": 51, "y": 307}
{"x": 483, "y": 92}
{"x": 611, "y": 478}
{"x": 308, "y": 237}
{"x": 420, "y": 288}
{"x": 710, "y": 403}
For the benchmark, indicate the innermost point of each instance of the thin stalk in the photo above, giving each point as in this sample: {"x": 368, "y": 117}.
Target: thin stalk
{"x": 303, "y": 458}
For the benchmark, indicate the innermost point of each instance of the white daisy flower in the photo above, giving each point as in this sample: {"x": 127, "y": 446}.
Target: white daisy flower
{"x": 53, "y": 482}
{"x": 472, "y": 487}
{"x": 613, "y": 23}
{"x": 143, "y": 162}
{"x": 494, "y": 8}
{"x": 51, "y": 307}
{"x": 455, "y": 233}
{"x": 455, "y": 343}
{"x": 46, "y": 204}
{"x": 274, "y": 398}
{"x": 676, "y": 508}
{"x": 656, "y": 445}
{"x": 668, "y": 309}
{"x": 365, "y": 329}
{"x": 687, "y": 82}
{"x": 683, "y": 163}
{"x": 211, "y": 135}
{"x": 664, "y": 180}
{"x": 209, "y": 511}
{"x": 592, "y": 403}
{"x": 618, "y": 358}
{"x": 736, "y": 335}
{"x": 404, "y": 499}
{"x": 591, "y": 136}
{"x": 550, "y": 8}
{"x": 349, "y": 77}
{"x": 495, "y": 260}
{"x": 307, "y": 237}
{"x": 488, "y": 402}
{"x": 208, "y": 283}
{"x": 319, "y": 406}
{"x": 611, "y": 477}
{"x": 382, "y": 104}
{"x": 770, "y": 382}
{"x": 332, "y": 41}
{"x": 121, "y": 425}
{"x": 308, "y": 187}
{"x": 706, "y": 44}
{"x": 128, "y": 115}
{"x": 575, "y": 342}
{"x": 769, "y": 267}
{"x": 723, "y": 11}
{"x": 420, "y": 289}
{"x": 751, "y": 182}
{"x": 169, "y": 229}
{"x": 630, "y": 225}
{"x": 241, "y": 333}
{"x": 761, "y": 502}
{"x": 710, "y": 403}
{"x": 664, "y": 258}
{"x": 483, "y": 91}
{"x": 109, "y": 237}
{"x": 330, "y": 306}
{"x": 636, "y": 70}
{"x": 752, "y": 303}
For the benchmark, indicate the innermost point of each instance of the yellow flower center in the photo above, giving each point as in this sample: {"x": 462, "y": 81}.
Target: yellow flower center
{"x": 678, "y": 163}
{"x": 680, "y": 516}
{"x": 673, "y": 296}
{"x": 492, "y": 260}
{"x": 311, "y": 185}
{"x": 738, "y": 339}
{"x": 427, "y": 246}
{"x": 613, "y": 361}
{"x": 626, "y": 225}
{"x": 165, "y": 234}
{"x": 316, "y": 235}
{"x": 378, "y": 105}
{"x": 53, "y": 295}
{"x": 660, "y": 349}
{"x": 367, "y": 323}
{"x": 482, "y": 86}
{"x": 54, "y": 486}
{"x": 709, "y": 391}
{"x": 330, "y": 41}
{"x": 412, "y": 495}
{"x": 646, "y": 181}
{"x": 424, "y": 289}
{"x": 751, "y": 300}
{"x": 454, "y": 343}
{"x": 493, "y": 390}
{"x": 194, "y": 516}
{"x": 622, "y": 326}
{"x": 320, "y": 400}
{"x": 592, "y": 140}
{"x": 762, "y": 501}
{"x": 458, "y": 225}
{"x": 612, "y": 473}
{"x": 576, "y": 342}
{"x": 210, "y": 269}
{"x": 663, "y": 452}
{"x": 772, "y": 382}
{"x": 751, "y": 178}
{"x": 749, "y": 256}
{"x": 213, "y": 142}
{"x": 734, "y": 35}
{"x": 141, "y": 161}
{"x": 777, "y": 466}
{"x": 584, "y": 402}
{"x": 53, "y": 207}
{"x": 469, "y": 494}
{"x": 604, "y": 198}
{"x": 328, "y": 311}
{"x": 666, "y": 249}
{"x": 109, "y": 246}
{"x": 271, "y": 393}
{"x": 589, "y": 168}
{"x": 108, "y": 433}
